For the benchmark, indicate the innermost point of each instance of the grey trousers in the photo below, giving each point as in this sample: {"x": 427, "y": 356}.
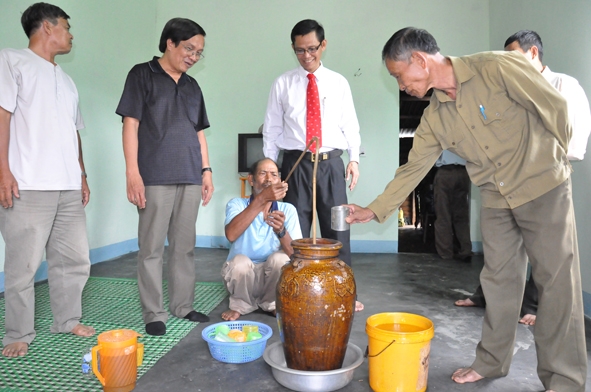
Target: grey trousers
{"x": 253, "y": 285}
{"x": 171, "y": 211}
{"x": 53, "y": 221}
{"x": 545, "y": 229}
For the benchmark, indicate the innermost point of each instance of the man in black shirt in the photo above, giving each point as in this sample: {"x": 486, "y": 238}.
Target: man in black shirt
{"x": 167, "y": 169}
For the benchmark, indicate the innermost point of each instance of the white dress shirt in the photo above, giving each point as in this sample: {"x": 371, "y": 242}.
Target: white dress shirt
{"x": 285, "y": 120}
{"x": 578, "y": 111}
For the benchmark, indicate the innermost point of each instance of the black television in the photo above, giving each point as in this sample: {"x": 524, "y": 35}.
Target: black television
{"x": 250, "y": 150}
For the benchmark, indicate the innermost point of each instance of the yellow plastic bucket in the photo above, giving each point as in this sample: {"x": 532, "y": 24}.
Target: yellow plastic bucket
{"x": 398, "y": 351}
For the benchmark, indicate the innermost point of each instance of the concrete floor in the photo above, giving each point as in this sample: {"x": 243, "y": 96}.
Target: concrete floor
{"x": 415, "y": 283}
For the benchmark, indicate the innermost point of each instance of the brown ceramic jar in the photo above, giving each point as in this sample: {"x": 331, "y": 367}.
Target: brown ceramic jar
{"x": 315, "y": 305}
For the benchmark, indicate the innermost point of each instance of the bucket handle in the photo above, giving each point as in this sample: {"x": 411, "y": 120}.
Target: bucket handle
{"x": 140, "y": 354}
{"x": 95, "y": 370}
{"x": 373, "y": 356}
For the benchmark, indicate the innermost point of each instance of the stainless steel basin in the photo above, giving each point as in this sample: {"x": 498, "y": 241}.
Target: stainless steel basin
{"x": 312, "y": 381}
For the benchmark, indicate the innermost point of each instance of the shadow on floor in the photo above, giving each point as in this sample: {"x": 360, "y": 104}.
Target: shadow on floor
{"x": 414, "y": 240}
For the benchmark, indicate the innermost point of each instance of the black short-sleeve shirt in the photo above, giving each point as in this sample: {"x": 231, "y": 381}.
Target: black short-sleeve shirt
{"x": 170, "y": 115}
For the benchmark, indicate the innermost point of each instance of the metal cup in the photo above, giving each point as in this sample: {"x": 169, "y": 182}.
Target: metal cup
{"x": 338, "y": 214}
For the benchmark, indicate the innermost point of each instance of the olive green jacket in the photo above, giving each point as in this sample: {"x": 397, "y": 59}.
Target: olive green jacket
{"x": 507, "y": 122}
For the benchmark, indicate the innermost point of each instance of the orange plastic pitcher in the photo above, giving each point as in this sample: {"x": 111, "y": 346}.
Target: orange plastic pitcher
{"x": 118, "y": 354}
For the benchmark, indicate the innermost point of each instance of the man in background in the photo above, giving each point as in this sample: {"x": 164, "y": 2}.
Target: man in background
{"x": 260, "y": 229}
{"x": 43, "y": 188}
{"x": 451, "y": 191}
{"x": 308, "y": 101}
{"x": 167, "y": 169}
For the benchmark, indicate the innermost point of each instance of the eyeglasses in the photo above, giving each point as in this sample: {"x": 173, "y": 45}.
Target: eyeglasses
{"x": 192, "y": 52}
{"x": 312, "y": 50}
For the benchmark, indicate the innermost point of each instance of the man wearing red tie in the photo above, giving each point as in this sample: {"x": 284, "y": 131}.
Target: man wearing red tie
{"x": 309, "y": 101}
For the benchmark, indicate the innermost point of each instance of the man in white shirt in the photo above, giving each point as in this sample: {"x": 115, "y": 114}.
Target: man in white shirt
{"x": 529, "y": 43}
{"x": 285, "y": 129}
{"x": 43, "y": 188}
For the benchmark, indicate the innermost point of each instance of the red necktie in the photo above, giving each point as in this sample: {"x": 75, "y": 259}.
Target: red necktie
{"x": 313, "y": 122}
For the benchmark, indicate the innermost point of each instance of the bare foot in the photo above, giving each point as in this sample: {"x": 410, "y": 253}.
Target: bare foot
{"x": 230, "y": 315}
{"x": 14, "y": 350}
{"x": 464, "y": 302}
{"x": 83, "y": 330}
{"x": 359, "y": 306}
{"x": 464, "y": 375}
{"x": 528, "y": 319}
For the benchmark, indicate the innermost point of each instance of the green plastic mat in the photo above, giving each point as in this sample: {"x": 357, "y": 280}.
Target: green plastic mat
{"x": 54, "y": 361}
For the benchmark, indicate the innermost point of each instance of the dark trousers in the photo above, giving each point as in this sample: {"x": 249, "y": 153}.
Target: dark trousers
{"x": 529, "y": 305}
{"x": 451, "y": 189}
{"x": 330, "y": 191}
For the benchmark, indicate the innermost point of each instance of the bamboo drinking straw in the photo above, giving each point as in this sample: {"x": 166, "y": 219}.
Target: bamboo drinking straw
{"x": 314, "y": 139}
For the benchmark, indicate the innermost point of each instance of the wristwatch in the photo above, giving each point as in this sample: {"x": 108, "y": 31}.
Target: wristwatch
{"x": 281, "y": 234}
{"x": 206, "y": 169}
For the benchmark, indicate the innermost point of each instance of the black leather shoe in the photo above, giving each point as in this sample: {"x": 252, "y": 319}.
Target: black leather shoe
{"x": 156, "y": 328}
{"x": 196, "y": 317}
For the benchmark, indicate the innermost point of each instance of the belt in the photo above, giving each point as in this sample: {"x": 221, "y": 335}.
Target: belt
{"x": 452, "y": 166}
{"x": 323, "y": 156}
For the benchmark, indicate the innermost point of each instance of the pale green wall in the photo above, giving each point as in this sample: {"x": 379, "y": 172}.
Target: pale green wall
{"x": 109, "y": 37}
{"x": 566, "y": 33}
{"x": 247, "y": 46}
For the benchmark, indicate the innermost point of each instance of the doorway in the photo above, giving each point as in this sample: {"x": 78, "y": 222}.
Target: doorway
{"x": 417, "y": 213}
